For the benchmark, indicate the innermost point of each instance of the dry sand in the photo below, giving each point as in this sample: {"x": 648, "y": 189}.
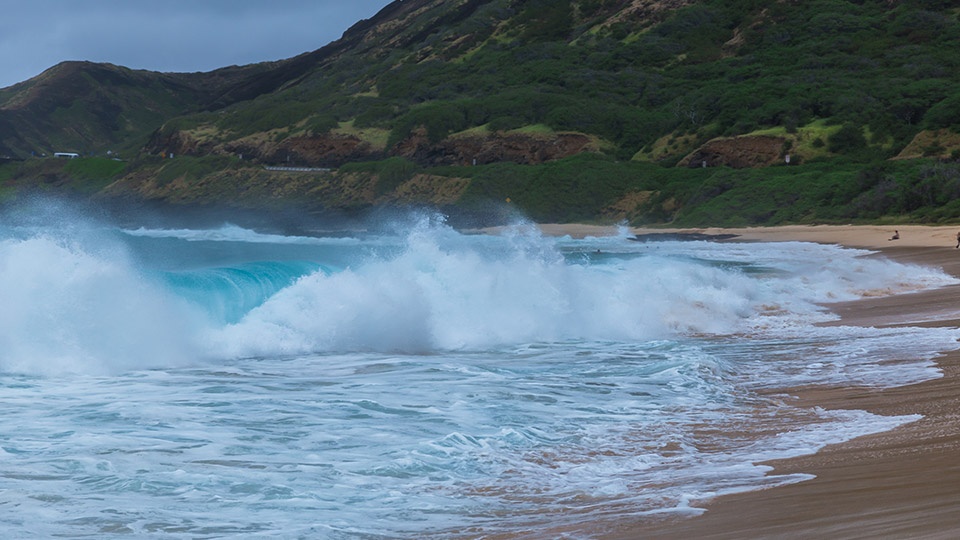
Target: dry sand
{"x": 858, "y": 236}
{"x": 904, "y": 483}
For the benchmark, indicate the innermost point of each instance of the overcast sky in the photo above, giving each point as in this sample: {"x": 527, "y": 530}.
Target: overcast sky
{"x": 167, "y": 35}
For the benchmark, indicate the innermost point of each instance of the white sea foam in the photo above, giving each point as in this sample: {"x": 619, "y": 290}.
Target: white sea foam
{"x": 449, "y": 292}
{"x": 78, "y": 298}
{"x": 67, "y": 309}
{"x": 418, "y": 384}
{"x": 233, "y": 233}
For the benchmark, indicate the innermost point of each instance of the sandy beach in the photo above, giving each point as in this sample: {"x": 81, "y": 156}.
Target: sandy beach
{"x": 856, "y": 236}
{"x": 904, "y": 483}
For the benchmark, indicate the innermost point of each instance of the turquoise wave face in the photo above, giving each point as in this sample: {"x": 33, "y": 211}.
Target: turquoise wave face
{"x": 226, "y": 294}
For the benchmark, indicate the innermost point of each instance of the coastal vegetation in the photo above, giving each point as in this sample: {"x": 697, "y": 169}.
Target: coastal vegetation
{"x": 685, "y": 112}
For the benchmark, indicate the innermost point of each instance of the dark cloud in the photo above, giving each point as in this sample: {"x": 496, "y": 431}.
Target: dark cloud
{"x": 174, "y": 35}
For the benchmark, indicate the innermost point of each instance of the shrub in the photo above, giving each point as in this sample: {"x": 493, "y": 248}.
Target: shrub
{"x": 945, "y": 114}
{"x": 440, "y": 120}
{"x": 375, "y": 115}
{"x": 848, "y": 139}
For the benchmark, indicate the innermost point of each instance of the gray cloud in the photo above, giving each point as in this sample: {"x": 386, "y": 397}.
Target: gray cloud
{"x": 174, "y": 35}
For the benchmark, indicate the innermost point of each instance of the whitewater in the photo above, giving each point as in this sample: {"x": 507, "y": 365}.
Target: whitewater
{"x": 414, "y": 380}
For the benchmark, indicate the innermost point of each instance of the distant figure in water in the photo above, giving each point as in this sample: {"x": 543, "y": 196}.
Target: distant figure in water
{"x": 896, "y": 236}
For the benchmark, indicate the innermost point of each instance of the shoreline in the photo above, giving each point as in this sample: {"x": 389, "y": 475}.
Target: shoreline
{"x": 877, "y": 237}
{"x": 902, "y": 483}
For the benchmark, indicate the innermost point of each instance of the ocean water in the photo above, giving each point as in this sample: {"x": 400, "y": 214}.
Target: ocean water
{"x": 416, "y": 381}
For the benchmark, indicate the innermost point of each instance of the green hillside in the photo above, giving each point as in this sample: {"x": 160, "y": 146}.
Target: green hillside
{"x": 709, "y": 112}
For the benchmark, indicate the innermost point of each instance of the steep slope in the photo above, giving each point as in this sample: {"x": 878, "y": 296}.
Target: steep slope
{"x": 433, "y": 80}
{"x": 421, "y": 70}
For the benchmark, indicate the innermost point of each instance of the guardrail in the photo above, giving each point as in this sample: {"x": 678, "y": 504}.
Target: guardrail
{"x": 297, "y": 169}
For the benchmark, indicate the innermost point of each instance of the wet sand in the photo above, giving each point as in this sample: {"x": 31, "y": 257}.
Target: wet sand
{"x": 903, "y": 483}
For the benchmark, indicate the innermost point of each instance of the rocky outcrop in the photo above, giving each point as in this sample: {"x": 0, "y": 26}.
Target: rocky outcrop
{"x": 515, "y": 147}
{"x": 738, "y": 152}
{"x": 335, "y": 149}
{"x": 326, "y": 150}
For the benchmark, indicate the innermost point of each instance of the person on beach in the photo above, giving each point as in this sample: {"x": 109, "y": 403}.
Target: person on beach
{"x": 896, "y": 236}
{"x": 958, "y": 240}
